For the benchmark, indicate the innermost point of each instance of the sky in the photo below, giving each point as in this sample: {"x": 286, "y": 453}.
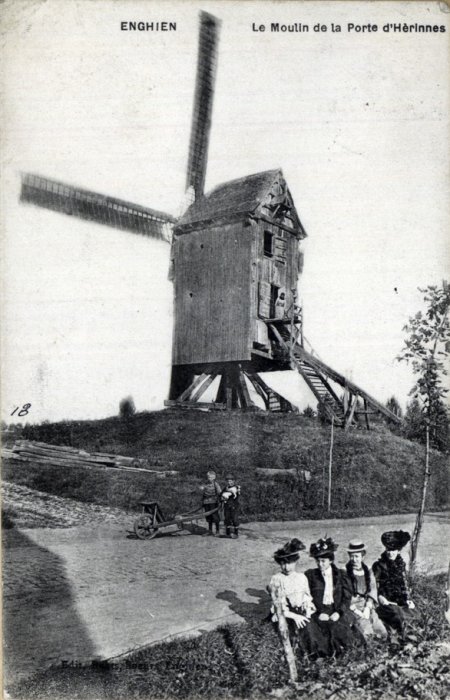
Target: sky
{"x": 357, "y": 120}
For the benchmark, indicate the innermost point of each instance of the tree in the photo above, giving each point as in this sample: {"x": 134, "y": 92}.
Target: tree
{"x": 127, "y": 409}
{"x": 309, "y": 412}
{"x": 393, "y": 405}
{"x": 414, "y": 421}
{"x": 426, "y": 348}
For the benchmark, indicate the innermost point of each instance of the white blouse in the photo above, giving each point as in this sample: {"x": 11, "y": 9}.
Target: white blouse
{"x": 292, "y": 589}
{"x": 328, "y": 592}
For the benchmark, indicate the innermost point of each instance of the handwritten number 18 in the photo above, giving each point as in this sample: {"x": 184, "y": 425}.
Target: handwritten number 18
{"x": 23, "y": 411}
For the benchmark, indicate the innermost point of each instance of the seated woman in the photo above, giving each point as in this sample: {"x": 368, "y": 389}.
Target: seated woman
{"x": 289, "y": 590}
{"x": 331, "y": 593}
{"x": 364, "y": 591}
{"x": 395, "y": 603}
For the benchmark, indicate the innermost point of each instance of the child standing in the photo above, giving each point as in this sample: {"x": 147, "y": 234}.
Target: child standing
{"x": 230, "y": 498}
{"x": 211, "y": 500}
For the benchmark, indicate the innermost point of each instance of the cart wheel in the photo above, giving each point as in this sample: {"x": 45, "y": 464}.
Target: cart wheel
{"x": 143, "y": 527}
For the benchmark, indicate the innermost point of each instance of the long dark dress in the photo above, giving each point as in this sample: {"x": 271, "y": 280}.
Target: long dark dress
{"x": 390, "y": 575}
{"x": 344, "y": 633}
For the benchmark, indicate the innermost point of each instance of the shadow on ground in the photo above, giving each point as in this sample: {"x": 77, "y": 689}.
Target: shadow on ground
{"x": 41, "y": 626}
{"x": 246, "y": 609}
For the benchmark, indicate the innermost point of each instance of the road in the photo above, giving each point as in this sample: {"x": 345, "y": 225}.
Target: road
{"x": 96, "y": 592}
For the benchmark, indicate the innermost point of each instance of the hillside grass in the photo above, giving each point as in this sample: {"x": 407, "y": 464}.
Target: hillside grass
{"x": 246, "y": 661}
{"x": 374, "y": 472}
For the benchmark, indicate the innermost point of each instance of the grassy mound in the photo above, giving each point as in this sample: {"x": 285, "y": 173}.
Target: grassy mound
{"x": 246, "y": 661}
{"x": 374, "y": 472}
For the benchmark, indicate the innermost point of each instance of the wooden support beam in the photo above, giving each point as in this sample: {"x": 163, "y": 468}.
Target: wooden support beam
{"x": 234, "y": 396}
{"x": 244, "y": 390}
{"x": 221, "y": 393}
{"x": 267, "y": 355}
{"x": 194, "y": 384}
{"x": 284, "y": 403}
{"x": 259, "y": 390}
{"x": 229, "y": 395}
{"x": 346, "y": 400}
{"x": 366, "y": 414}
{"x": 203, "y": 387}
{"x": 294, "y": 231}
{"x": 195, "y": 405}
{"x": 282, "y": 342}
{"x": 351, "y": 410}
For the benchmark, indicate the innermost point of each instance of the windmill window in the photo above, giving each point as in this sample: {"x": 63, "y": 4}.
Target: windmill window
{"x": 268, "y": 244}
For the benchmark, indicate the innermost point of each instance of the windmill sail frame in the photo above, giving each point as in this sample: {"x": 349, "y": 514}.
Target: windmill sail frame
{"x": 92, "y": 206}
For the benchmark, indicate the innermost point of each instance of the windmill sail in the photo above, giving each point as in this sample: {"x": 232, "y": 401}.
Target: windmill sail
{"x": 92, "y": 206}
{"x": 203, "y": 99}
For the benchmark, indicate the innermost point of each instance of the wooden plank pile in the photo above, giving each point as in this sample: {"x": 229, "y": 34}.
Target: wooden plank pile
{"x": 59, "y": 455}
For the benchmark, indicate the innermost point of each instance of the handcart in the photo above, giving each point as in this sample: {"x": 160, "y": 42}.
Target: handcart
{"x": 152, "y": 520}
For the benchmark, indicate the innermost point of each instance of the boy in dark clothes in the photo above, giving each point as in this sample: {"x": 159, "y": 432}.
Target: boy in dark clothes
{"x": 211, "y": 499}
{"x": 394, "y": 598}
{"x": 230, "y": 498}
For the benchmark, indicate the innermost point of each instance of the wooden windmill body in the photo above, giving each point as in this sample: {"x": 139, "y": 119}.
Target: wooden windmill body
{"x": 236, "y": 259}
{"x": 236, "y": 254}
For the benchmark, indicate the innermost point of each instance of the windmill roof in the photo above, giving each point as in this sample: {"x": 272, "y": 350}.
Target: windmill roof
{"x": 240, "y": 196}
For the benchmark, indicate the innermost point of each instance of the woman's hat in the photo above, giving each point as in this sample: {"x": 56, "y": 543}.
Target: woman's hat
{"x": 230, "y": 476}
{"x": 322, "y": 548}
{"x": 356, "y": 546}
{"x": 395, "y": 539}
{"x": 291, "y": 549}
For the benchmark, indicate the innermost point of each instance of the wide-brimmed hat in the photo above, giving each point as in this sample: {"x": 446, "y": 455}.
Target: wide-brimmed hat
{"x": 356, "y": 546}
{"x": 395, "y": 539}
{"x": 323, "y": 548}
{"x": 289, "y": 550}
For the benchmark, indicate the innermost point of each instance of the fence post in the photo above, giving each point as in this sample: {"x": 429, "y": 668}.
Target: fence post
{"x": 284, "y": 634}
{"x": 330, "y": 463}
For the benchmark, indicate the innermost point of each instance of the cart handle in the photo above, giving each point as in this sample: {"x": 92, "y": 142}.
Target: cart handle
{"x": 198, "y": 510}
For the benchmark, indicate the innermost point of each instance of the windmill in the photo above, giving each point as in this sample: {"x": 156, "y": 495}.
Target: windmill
{"x": 236, "y": 259}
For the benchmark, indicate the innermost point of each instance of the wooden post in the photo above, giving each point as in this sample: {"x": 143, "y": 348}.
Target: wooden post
{"x": 421, "y": 513}
{"x": 447, "y": 591}
{"x": 366, "y": 410}
{"x": 292, "y": 339}
{"x": 301, "y": 325}
{"x": 203, "y": 387}
{"x": 284, "y": 634}
{"x": 330, "y": 463}
{"x": 323, "y": 484}
{"x": 351, "y": 410}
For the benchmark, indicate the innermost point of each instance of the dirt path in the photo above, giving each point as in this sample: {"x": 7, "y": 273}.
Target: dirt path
{"x": 29, "y": 508}
{"x": 93, "y": 591}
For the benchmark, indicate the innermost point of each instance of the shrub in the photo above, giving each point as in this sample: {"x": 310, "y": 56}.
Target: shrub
{"x": 127, "y": 409}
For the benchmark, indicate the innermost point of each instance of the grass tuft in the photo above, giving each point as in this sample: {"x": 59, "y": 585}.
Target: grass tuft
{"x": 246, "y": 661}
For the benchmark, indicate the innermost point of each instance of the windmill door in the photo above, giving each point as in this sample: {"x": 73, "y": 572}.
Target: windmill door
{"x": 264, "y": 299}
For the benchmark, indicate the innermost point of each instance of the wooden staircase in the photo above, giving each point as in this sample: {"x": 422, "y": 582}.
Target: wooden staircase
{"x": 274, "y": 402}
{"x": 317, "y": 376}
